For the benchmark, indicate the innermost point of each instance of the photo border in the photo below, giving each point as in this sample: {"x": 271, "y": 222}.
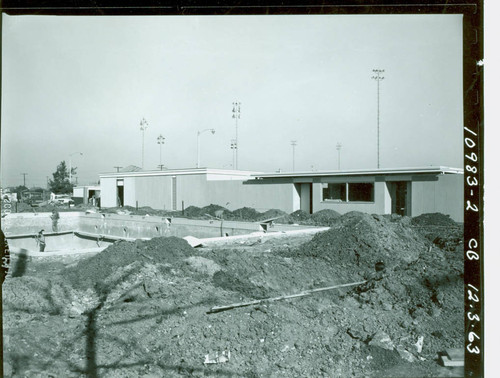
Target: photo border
{"x": 473, "y": 106}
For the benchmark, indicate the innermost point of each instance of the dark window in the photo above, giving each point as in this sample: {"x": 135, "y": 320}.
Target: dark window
{"x": 349, "y": 192}
{"x": 334, "y": 192}
{"x": 361, "y": 192}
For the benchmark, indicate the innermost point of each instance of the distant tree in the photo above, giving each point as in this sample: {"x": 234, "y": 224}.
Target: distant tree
{"x": 18, "y": 189}
{"x": 60, "y": 183}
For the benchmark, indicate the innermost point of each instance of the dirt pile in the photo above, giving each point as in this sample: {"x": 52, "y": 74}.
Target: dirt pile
{"x": 92, "y": 272}
{"x": 433, "y": 219}
{"x": 441, "y": 230}
{"x": 326, "y": 217}
{"x": 358, "y": 240}
{"x": 143, "y": 307}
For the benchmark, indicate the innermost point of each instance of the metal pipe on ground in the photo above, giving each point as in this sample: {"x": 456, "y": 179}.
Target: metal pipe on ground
{"x": 216, "y": 309}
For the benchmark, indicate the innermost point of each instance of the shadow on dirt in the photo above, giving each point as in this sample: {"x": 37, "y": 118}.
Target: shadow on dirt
{"x": 21, "y": 264}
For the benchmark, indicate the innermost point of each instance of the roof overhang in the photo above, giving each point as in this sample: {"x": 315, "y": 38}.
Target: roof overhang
{"x": 179, "y": 172}
{"x": 364, "y": 172}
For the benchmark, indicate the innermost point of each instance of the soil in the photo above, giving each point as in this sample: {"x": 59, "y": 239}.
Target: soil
{"x": 139, "y": 309}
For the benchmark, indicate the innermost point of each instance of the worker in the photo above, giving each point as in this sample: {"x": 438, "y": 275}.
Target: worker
{"x": 55, "y": 219}
{"x": 40, "y": 240}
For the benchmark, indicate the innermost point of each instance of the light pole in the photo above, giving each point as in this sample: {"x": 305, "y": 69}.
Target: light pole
{"x": 236, "y": 116}
{"x": 198, "y": 145}
{"x": 160, "y": 140}
{"x": 144, "y": 126}
{"x": 293, "y": 143}
{"x": 233, "y": 147}
{"x": 70, "y": 155}
{"x": 339, "y": 146}
{"x": 378, "y": 78}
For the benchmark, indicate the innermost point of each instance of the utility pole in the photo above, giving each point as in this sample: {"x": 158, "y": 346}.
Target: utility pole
{"x": 378, "y": 78}
{"x": 293, "y": 143}
{"x": 117, "y": 168}
{"x": 24, "y": 179}
{"x": 236, "y": 116}
{"x": 161, "y": 167}
{"x": 339, "y": 146}
{"x": 144, "y": 126}
{"x": 160, "y": 140}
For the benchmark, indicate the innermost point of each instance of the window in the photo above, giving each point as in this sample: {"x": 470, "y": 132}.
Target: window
{"x": 334, "y": 192}
{"x": 361, "y": 191}
{"x": 349, "y": 192}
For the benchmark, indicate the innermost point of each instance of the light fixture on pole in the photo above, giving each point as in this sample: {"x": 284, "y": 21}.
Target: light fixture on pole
{"x": 70, "y": 167}
{"x": 378, "y": 78}
{"x": 144, "y": 126}
{"x": 293, "y": 143}
{"x": 160, "y": 140}
{"x": 236, "y": 116}
{"x": 198, "y": 145}
{"x": 233, "y": 147}
{"x": 339, "y": 146}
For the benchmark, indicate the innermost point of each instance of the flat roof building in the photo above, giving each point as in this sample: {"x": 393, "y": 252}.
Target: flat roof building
{"x": 405, "y": 191}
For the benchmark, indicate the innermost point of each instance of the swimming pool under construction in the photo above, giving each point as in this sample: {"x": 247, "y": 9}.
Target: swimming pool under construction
{"x": 79, "y": 232}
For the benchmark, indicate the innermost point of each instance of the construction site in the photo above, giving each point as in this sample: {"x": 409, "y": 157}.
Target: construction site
{"x": 126, "y": 292}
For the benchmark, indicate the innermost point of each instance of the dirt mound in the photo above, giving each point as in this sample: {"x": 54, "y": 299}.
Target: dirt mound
{"x": 246, "y": 214}
{"x": 300, "y": 216}
{"x": 441, "y": 230}
{"x": 433, "y": 219}
{"x": 92, "y": 272}
{"x": 214, "y": 211}
{"x": 360, "y": 240}
{"x": 192, "y": 211}
{"x": 326, "y": 217}
{"x": 274, "y": 213}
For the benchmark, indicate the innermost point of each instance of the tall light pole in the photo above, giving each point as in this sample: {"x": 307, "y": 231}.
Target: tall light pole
{"x": 233, "y": 147}
{"x": 160, "y": 140}
{"x": 378, "y": 78}
{"x": 198, "y": 145}
{"x": 70, "y": 167}
{"x": 339, "y": 146}
{"x": 293, "y": 143}
{"x": 144, "y": 126}
{"x": 236, "y": 116}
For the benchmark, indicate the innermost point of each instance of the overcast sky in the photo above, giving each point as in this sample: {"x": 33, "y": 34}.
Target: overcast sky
{"x": 83, "y": 84}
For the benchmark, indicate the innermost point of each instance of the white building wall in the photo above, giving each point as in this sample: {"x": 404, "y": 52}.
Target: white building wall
{"x": 129, "y": 191}
{"x": 108, "y": 192}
